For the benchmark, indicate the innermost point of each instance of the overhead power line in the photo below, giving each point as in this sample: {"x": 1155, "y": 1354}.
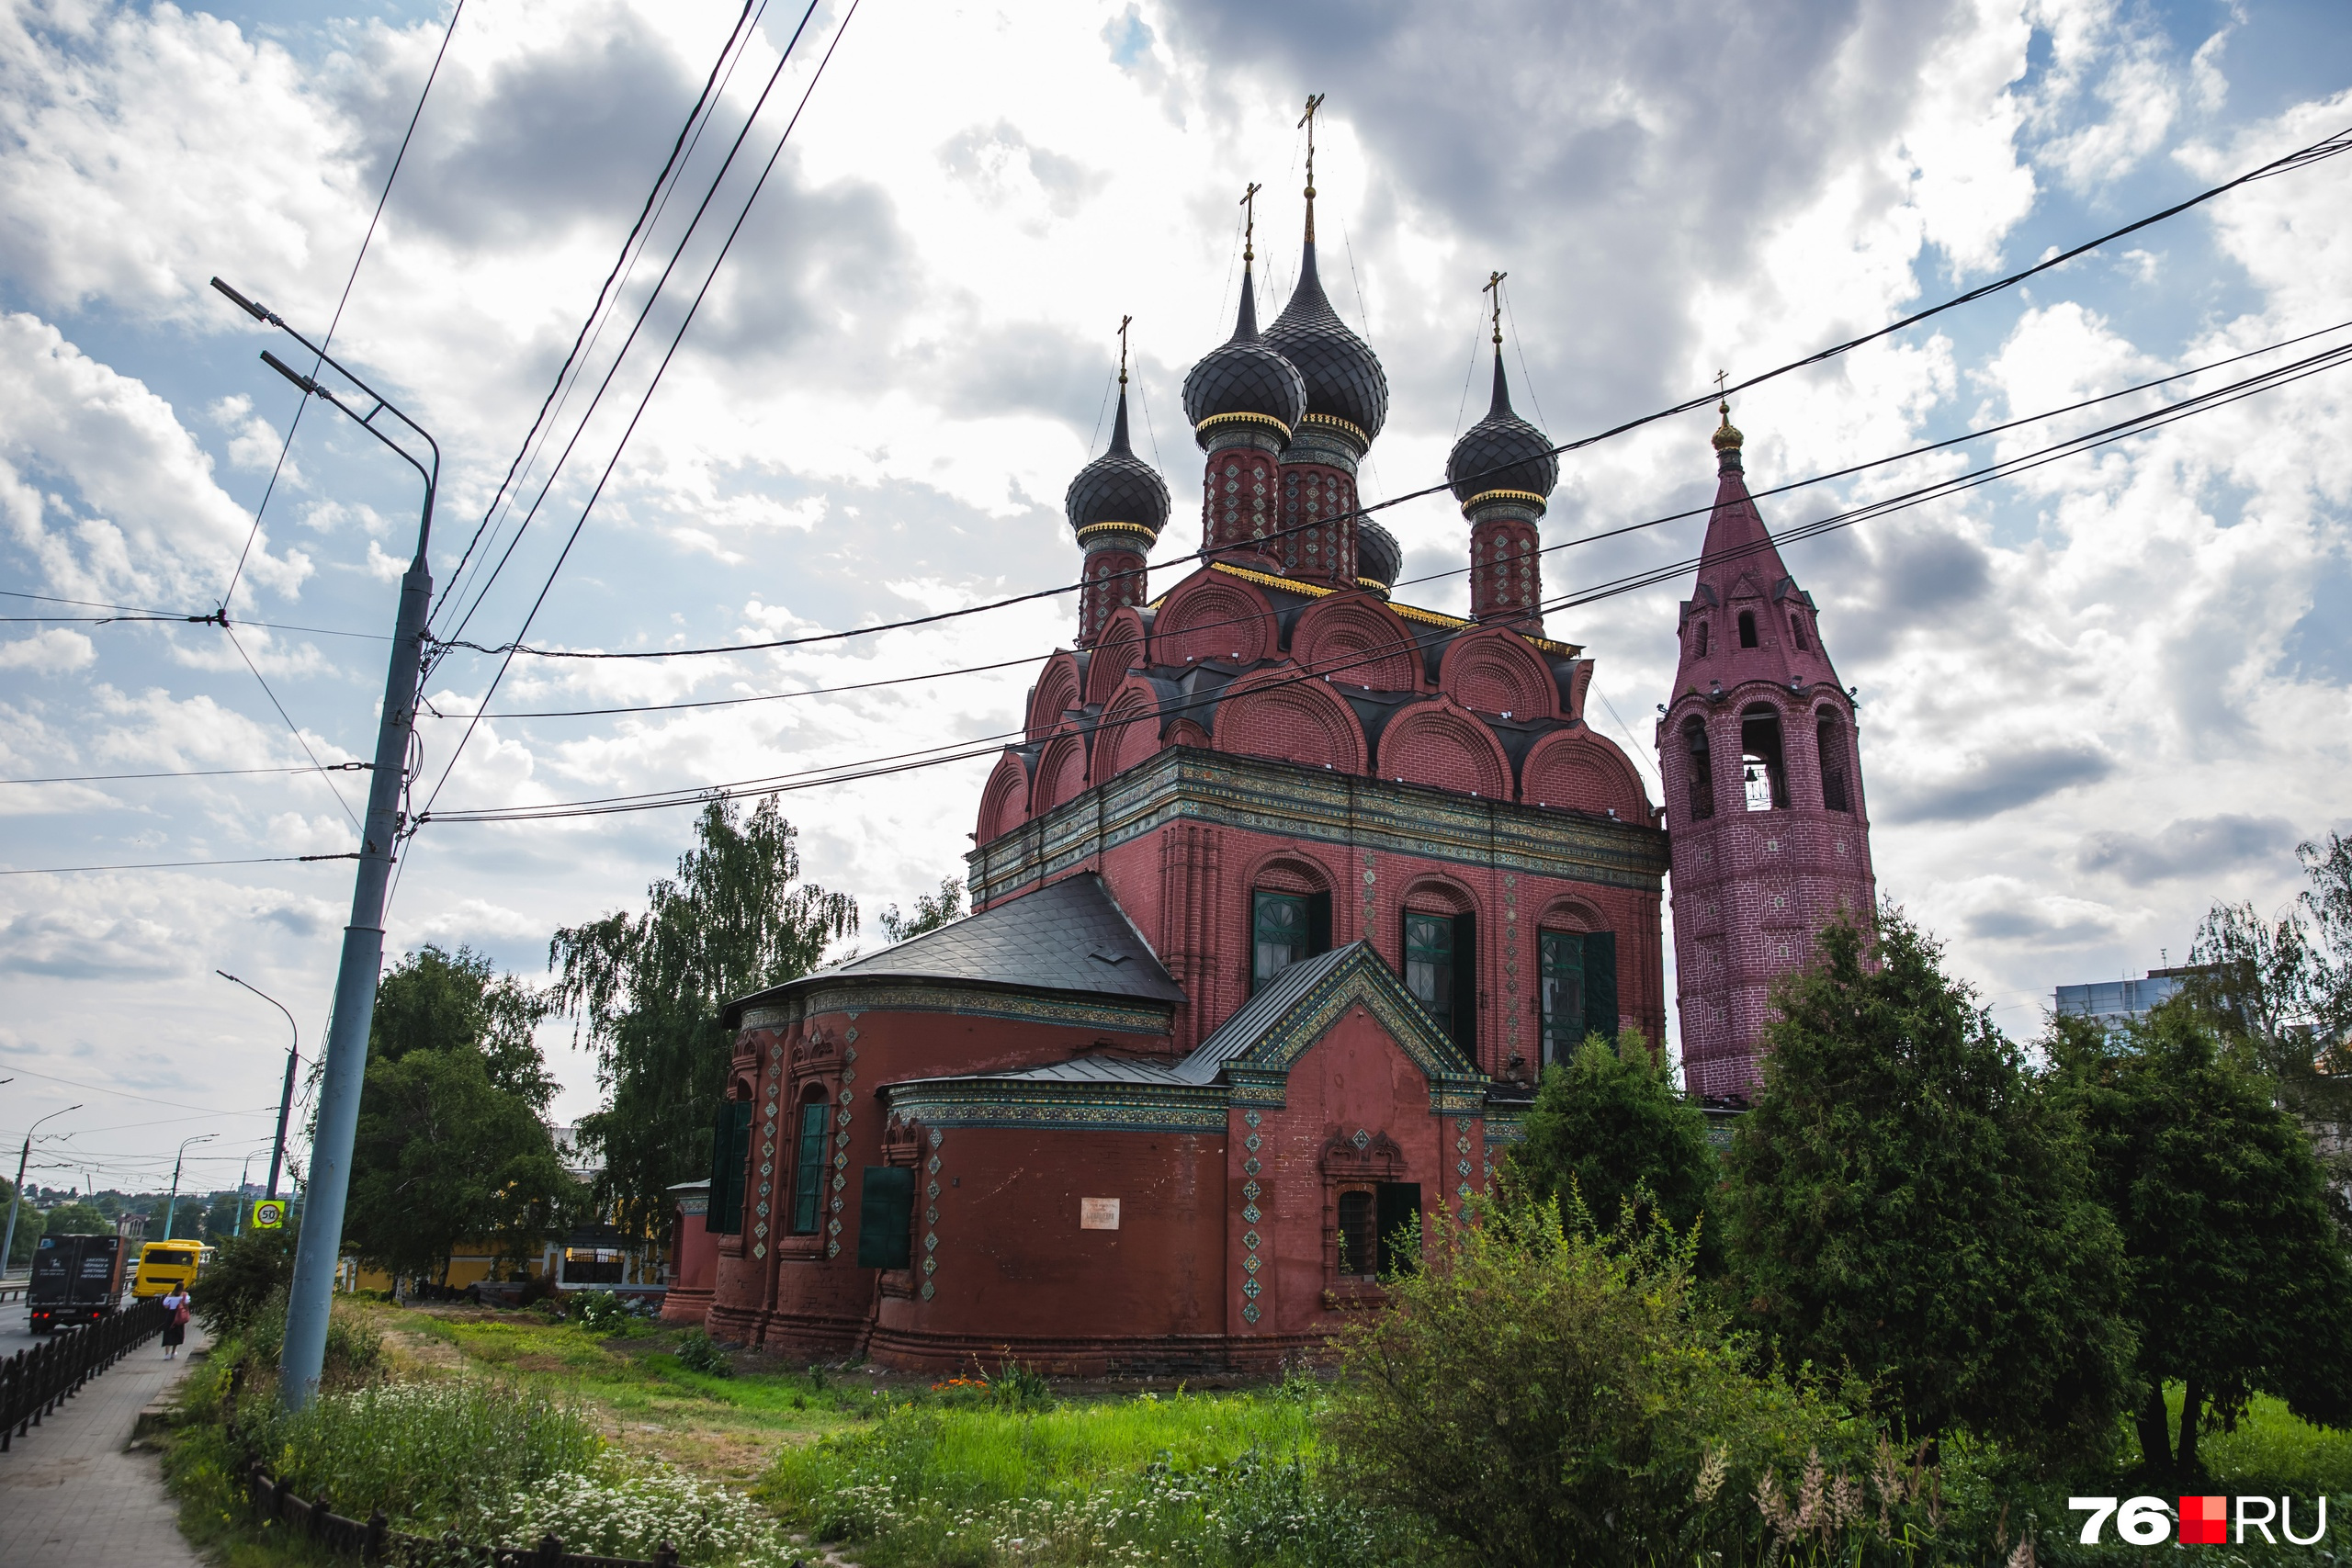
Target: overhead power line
{"x": 983, "y": 746}
{"x": 2301, "y": 158}
{"x": 337, "y": 320}
{"x": 169, "y": 864}
{"x": 192, "y": 773}
{"x": 1794, "y": 485}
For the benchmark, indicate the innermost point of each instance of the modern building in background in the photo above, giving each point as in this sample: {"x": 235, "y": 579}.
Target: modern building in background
{"x": 2118, "y": 1002}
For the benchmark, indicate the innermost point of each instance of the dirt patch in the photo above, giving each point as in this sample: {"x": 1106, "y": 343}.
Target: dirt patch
{"x": 409, "y": 1349}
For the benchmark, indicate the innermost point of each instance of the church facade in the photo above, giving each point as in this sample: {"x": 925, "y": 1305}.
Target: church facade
{"x": 1283, "y": 900}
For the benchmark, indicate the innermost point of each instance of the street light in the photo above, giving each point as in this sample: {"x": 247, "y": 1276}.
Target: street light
{"x": 173, "y": 1206}
{"x": 17, "y": 1196}
{"x": 243, "y": 1171}
{"x": 320, "y": 1247}
{"x": 286, "y": 1095}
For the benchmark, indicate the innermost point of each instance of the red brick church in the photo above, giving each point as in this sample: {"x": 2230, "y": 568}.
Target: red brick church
{"x": 1289, "y": 892}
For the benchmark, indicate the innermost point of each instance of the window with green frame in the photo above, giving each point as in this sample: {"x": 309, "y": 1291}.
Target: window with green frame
{"x": 1429, "y": 964}
{"x": 1284, "y": 929}
{"x": 1578, "y": 990}
{"x": 730, "y": 1152}
{"x": 808, "y": 1167}
{"x": 1277, "y": 934}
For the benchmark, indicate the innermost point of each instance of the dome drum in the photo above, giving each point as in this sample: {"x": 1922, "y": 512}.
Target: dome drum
{"x": 1523, "y": 505}
{"x": 1322, "y": 439}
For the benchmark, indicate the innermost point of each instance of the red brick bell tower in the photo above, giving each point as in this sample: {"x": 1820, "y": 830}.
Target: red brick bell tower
{"x": 1764, "y": 807}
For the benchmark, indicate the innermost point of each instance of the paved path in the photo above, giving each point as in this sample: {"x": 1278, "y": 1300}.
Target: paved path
{"x": 70, "y": 1492}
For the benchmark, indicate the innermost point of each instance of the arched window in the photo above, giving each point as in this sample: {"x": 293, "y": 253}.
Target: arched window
{"x": 1284, "y": 928}
{"x": 1796, "y": 631}
{"x": 1702, "y": 652}
{"x": 1747, "y": 628}
{"x": 1703, "y": 772}
{"x": 808, "y": 1165}
{"x": 1763, "y": 774}
{"x": 731, "y": 1158}
{"x": 1359, "y": 1243}
{"x": 1831, "y": 735}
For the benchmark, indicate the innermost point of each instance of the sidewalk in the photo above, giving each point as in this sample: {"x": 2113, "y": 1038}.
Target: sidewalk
{"x": 69, "y": 1493}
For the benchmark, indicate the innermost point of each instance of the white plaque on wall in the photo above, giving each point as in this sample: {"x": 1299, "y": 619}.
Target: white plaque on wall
{"x": 1098, "y": 1213}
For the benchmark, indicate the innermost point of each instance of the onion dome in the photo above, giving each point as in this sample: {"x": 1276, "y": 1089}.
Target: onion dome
{"x": 1118, "y": 492}
{"x": 1344, "y": 381}
{"x": 1379, "y": 560}
{"x": 1727, "y": 440}
{"x": 1242, "y": 380}
{"x": 1502, "y": 453}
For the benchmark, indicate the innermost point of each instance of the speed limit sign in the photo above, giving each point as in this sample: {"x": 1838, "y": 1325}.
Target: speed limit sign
{"x": 269, "y": 1213}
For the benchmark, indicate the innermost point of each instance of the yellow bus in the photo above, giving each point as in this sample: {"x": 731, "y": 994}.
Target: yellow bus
{"x": 163, "y": 1264}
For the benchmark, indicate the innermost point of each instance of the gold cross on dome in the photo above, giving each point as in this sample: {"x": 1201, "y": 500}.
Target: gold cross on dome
{"x": 1307, "y": 123}
{"x": 1250, "y": 221}
{"x": 1494, "y": 286}
{"x": 1722, "y": 399}
{"x": 1125, "y": 322}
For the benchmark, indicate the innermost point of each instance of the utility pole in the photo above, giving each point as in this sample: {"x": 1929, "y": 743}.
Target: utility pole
{"x": 285, "y": 1095}
{"x": 243, "y": 1171}
{"x": 17, "y": 1194}
{"x": 320, "y": 1247}
{"x": 171, "y": 1206}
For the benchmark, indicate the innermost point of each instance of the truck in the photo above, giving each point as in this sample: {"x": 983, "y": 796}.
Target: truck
{"x": 76, "y": 1280}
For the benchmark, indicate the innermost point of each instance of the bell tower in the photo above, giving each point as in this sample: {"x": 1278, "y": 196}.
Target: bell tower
{"x": 1766, "y": 828}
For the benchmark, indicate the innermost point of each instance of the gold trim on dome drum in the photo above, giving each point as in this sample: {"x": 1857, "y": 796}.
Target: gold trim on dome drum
{"x": 1526, "y": 496}
{"x": 1336, "y": 422}
{"x": 1150, "y": 536}
{"x": 1216, "y": 419}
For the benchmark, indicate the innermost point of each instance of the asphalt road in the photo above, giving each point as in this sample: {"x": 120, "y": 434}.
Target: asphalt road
{"x": 14, "y": 1334}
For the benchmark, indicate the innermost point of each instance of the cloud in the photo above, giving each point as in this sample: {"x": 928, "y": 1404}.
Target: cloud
{"x": 2191, "y": 847}
{"x": 2001, "y": 782}
{"x": 144, "y": 518}
{"x": 47, "y": 652}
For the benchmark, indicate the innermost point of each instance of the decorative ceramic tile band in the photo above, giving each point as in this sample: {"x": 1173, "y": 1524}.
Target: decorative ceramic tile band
{"x": 1117, "y": 1108}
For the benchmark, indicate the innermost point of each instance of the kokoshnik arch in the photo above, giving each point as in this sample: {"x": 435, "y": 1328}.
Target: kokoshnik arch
{"x": 1284, "y": 899}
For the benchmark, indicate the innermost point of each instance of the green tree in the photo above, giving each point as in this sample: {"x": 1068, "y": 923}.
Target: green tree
{"x": 433, "y": 1000}
{"x": 1907, "y": 1201}
{"x": 452, "y": 1140}
{"x": 443, "y": 1154}
{"x": 77, "y": 1218}
{"x": 653, "y": 987}
{"x": 2238, "y": 1275}
{"x": 247, "y": 1273}
{"x": 1609, "y": 1123}
{"x": 932, "y": 911}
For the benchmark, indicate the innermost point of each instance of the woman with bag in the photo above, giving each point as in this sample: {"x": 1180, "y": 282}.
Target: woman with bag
{"x": 175, "y": 1321}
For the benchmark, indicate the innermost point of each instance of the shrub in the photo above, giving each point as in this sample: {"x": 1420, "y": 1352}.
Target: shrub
{"x": 699, "y": 1353}
{"x": 355, "y": 1349}
{"x": 1540, "y": 1387}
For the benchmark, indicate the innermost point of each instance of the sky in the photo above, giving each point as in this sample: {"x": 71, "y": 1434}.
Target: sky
{"x": 2095, "y": 699}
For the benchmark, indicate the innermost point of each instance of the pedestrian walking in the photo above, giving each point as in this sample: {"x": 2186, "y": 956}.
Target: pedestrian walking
{"x": 175, "y": 1314}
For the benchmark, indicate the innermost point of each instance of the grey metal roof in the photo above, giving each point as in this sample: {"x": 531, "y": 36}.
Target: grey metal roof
{"x": 1078, "y": 1069}
{"x": 1067, "y": 936}
{"x": 1244, "y": 1028}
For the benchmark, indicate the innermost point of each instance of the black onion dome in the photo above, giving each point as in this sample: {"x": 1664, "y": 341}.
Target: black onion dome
{"x": 1501, "y": 451}
{"x": 1118, "y": 487}
{"x": 1379, "y": 561}
{"x": 1343, "y": 376}
{"x": 1242, "y": 376}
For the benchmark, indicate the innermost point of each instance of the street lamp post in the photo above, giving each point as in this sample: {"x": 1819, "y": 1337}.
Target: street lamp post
{"x": 16, "y": 1195}
{"x": 320, "y": 1247}
{"x": 243, "y": 1171}
{"x": 171, "y": 1206}
{"x": 285, "y": 1095}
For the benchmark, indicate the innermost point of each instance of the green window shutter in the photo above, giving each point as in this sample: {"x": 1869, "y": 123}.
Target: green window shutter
{"x": 809, "y": 1169}
{"x": 722, "y": 1138}
{"x": 739, "y": 1160}
{"x": 1600, "y": 984}
{"x": 885, "y": 1206}
{"x": 1400, "y": 1205}
{"x": 1466, "y": 983}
